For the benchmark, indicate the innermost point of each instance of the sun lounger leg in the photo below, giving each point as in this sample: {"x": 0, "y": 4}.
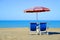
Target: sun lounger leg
{"x": 47, "y": 33}
{"x": 38, "y": 31}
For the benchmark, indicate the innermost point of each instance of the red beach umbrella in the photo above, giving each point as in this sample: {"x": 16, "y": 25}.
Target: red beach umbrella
{"x": 36, "y": 10}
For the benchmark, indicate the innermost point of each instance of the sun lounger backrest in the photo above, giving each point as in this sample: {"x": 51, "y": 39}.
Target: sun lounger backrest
{"x": 33, "y": 26}
{"x": 42, "y": 26}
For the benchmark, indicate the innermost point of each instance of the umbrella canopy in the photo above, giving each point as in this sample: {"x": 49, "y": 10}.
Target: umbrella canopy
{"x": 37, "y": 9}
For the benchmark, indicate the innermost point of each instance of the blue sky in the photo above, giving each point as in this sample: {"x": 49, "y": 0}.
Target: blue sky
{"x": 14, "y": 9}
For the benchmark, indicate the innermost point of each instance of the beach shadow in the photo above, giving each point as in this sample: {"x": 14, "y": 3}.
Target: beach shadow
{"x": 49, "y": 33}
{"x": 53, "y": 33}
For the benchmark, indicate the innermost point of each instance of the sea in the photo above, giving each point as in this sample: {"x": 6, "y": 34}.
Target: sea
{"x": 26, "y": 23}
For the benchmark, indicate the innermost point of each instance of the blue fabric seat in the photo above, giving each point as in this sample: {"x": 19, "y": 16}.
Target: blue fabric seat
{"x": 42, "y": 26}
{"x": 33, "y": 26}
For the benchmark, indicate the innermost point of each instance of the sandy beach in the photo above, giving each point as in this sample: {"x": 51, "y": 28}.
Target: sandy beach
{"x": 23, "y": 34}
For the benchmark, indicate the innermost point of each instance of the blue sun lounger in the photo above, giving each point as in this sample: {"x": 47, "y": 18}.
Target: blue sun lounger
{"x": 33, "y": 28}
{"x": 43, "y": 27}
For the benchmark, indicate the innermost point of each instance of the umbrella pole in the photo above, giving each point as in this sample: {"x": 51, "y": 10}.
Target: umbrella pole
{"x": 37, "y": 28}
{"x": 37, "y": 17}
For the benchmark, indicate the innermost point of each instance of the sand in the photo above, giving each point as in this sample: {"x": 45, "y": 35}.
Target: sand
{"x": 24, "y": 34}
